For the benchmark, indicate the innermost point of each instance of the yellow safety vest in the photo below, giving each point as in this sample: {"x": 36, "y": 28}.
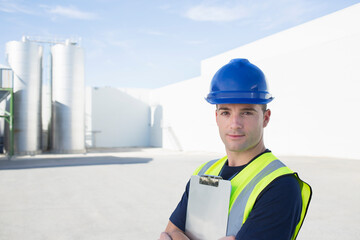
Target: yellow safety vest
{"x": 249, "y": 183}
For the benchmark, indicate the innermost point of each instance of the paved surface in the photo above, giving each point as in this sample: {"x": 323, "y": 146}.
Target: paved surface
{"x": 130, "y": 193}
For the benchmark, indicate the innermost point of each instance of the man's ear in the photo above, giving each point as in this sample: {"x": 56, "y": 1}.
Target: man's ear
{"x": 267, "y": 115}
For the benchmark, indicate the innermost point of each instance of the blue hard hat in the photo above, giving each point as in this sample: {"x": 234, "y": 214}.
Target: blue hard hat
{"x": 239, "y": 81}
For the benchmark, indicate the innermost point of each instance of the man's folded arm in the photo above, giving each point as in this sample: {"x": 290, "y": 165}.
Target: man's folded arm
{"x": 172, "y": 232}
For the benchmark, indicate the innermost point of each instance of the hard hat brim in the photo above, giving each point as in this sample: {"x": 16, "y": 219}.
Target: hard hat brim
{"x": 236, "y": 97}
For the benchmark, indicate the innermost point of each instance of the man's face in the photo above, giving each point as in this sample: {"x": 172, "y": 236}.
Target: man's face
{"x": 241, "y": 125}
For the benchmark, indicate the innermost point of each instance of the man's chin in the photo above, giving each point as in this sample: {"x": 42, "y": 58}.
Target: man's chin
{"x": 236, "y": 149}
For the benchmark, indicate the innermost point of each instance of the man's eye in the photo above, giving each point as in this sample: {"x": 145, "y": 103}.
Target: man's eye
{"x": 247, "y": 113}
{"x": 224, "y": 113}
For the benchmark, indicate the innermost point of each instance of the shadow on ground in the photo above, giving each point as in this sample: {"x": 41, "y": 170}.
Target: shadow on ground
{"x": 114, "y": 150}
{"x": 69, "y": 162}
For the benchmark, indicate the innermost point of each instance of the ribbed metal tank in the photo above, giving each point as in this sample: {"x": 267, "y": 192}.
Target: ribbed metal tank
{"x": 25, "y": 59}
{"x": 68, "y": 98}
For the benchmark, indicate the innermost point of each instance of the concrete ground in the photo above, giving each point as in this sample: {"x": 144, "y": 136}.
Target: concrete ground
{"x": 130, "y": 193}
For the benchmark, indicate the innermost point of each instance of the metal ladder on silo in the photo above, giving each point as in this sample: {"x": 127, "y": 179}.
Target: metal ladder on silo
{"x": 7, "y": 94}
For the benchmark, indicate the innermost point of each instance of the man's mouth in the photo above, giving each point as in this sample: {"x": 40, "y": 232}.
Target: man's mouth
{"x": 235, "y": 136}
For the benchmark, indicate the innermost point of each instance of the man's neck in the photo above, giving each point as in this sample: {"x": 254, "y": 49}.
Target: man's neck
{"x": 242, "y": 158}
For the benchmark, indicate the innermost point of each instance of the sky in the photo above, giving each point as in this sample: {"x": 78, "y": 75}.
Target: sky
{"x": 153, "y": 43}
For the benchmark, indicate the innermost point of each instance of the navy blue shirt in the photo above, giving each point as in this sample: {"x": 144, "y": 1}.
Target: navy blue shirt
{"x": 275, "y": 213}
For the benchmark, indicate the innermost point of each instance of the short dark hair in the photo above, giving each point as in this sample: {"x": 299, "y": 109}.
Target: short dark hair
{"x": 264, "y": 107}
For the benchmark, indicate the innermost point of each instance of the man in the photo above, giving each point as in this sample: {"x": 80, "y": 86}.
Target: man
{"x": 268, "y": 200}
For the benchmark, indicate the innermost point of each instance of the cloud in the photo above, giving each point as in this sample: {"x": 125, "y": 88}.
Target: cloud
{"x": 272, "y": 12}
{"x": 214, "y": 13}
{"x": 71, "y": 12}
{"x": 12, "y": 7}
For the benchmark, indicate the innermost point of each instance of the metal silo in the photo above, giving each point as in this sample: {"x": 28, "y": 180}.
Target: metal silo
{"x": 25, "y": 60}
{"x": 68, "y": 98}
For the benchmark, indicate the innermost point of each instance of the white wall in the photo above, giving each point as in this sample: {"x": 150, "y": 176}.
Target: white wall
{"x": 156, "y": 126}
{"x": 88, "y": 118}
{"x": 120, "y": 118}
{"x": 188, "y": 120}
{"x": 313, "y": 71}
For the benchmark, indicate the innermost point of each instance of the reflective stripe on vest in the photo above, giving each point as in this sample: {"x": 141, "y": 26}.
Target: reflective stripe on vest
{"x": 249, "y": 183}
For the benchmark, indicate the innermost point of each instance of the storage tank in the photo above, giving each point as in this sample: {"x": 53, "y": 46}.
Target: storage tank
{"x": 68, "y": 94}
{"x": 25, "y": 59}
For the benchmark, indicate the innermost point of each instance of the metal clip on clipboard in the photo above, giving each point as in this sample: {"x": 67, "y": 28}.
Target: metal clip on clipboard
{"x": 208, "y": 206}
{"x": 210, "y": 180}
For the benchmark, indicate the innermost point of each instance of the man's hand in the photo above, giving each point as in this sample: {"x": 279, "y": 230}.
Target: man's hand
{"x": 172, "y": 232}
{"x": 165, "y": 236}
{"x": 228, "y": 238}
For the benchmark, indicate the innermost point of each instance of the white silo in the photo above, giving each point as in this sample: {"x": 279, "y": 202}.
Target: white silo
{"x": 68, "y": 103}
{"x": 25, "y": 59}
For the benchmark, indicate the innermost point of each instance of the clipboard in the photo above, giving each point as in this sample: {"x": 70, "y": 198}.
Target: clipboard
{"x": 208, "y": 207}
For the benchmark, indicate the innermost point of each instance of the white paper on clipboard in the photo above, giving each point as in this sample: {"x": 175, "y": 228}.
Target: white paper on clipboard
{"x": 208, "y": 207}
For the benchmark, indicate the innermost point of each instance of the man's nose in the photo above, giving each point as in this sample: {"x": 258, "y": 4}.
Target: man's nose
{"x": 236, "y": 122}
